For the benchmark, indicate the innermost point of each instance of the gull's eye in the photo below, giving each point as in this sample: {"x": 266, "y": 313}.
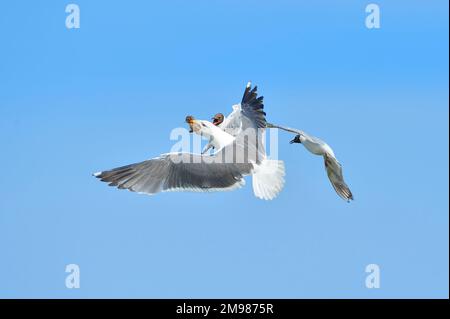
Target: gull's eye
{"x": 203, "y": 124}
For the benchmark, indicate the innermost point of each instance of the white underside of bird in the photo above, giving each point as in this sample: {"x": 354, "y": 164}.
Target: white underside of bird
{"x": 217, "y": 138}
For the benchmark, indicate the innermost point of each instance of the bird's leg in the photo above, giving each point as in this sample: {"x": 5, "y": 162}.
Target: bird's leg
{"x": 208, "y": 146}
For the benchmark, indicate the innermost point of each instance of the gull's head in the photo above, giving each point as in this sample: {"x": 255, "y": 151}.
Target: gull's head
{"x": 297, "y": 139}
{"x": 218, "y": 119}
{"x": 190, "y": 119}
{"x": 192, "y": 123}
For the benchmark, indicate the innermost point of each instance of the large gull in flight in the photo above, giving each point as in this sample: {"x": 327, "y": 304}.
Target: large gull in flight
{"x": 235, "y": 157}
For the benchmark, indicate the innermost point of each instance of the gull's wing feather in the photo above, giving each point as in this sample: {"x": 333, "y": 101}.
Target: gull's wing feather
{"x": 250, "y": 140}
{"x": 232, "y": 123}
{"x": 334, "y": 172}
{"x": 250, "y": 113}
{"x": 297, "y": 132}
{"x": 252, "y": 109}
{"x": 284, "y": 128}
{"x": 176, "y": 172}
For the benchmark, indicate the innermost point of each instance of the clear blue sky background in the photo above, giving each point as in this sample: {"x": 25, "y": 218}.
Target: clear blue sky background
{"x": 76, "y": 101}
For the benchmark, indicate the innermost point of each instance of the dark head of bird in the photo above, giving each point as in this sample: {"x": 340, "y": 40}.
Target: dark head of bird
{"x": 218, "y": 119}
{"x": 190, "y": 120}
{"x": 296, "y": 139}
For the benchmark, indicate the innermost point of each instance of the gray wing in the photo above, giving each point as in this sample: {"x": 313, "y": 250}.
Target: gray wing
{"x": 177, "y": 172}
{"x": 297, "y": 132}
{"x": 284, "y": 128}
{"x": 334, "y": 172}
{"x": 232, "y": 124}
{"x": 252, "y": 109}
{"x": 249, "y": 143}
{"x": 249, "y": 114}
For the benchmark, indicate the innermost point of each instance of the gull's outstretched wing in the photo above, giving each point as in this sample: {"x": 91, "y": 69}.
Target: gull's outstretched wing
{"x": 177, "y": 172}
{"x": 249, "y": 113}
{"x": 334, "y": 172}
{"x": 249, "y": 142}
{"x": 252, "y": 109}
{"x": 284, "y": 128}
{"x": 314, "y": 139}
{"x": 295, "y": 131}
{"x": 233, "y": 123}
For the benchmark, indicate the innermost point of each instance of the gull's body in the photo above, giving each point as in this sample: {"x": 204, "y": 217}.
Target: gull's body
{"x": 318, "y": 147}
{"x": 216, "y": 136}
{"x": 232, "y": 125}
{"x": 224, "y": 170}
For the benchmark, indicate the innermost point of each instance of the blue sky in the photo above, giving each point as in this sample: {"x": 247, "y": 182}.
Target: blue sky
{"x": 76, "y": 101}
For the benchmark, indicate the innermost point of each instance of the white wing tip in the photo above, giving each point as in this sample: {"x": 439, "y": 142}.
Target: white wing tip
{"x": 97, "y": 174}
{"x": 249, "y": 84}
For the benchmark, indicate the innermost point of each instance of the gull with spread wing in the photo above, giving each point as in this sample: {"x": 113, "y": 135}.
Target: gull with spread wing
{"x": 318, "y": 147}
{"x": 235, "y": 157}
{"x": 232, "y": 125}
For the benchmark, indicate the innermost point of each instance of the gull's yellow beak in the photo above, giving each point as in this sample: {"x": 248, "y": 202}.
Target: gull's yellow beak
{"x": 190, "y": 120}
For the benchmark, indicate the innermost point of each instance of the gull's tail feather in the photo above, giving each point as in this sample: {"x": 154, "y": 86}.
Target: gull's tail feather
{"x": 268, "y": 179}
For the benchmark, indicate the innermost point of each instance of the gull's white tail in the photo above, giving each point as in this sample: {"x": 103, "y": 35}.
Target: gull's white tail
{"x": 268, "y": 179}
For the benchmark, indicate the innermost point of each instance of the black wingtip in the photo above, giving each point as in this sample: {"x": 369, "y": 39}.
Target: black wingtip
{"x": 254, "y": 105}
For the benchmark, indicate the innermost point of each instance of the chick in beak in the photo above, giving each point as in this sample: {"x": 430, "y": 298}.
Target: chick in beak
{"x": 193, "y": 124}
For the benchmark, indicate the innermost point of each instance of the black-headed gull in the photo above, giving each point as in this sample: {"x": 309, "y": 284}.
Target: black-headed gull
{"x": 332, "y": 165}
